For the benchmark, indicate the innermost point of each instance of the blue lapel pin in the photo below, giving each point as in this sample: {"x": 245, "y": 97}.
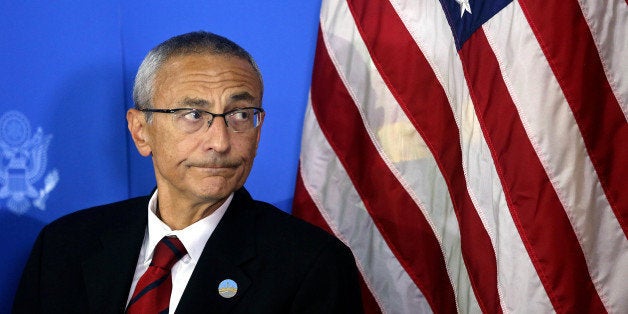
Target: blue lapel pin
{"x": 227, "y": 288}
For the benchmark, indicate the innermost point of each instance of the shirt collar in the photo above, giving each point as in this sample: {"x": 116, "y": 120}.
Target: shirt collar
{"x": 193, "y": 236}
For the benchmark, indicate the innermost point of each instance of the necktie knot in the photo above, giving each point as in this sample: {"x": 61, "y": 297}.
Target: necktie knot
{"x": 152, "y": 292}
{"x": 168, "y": 251}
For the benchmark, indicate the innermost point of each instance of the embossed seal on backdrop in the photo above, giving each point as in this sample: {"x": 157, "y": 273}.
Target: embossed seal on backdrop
{"x": 23, "y": 164}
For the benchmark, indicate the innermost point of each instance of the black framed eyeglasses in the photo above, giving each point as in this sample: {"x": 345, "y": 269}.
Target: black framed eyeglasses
{"x": 190, "y": 120}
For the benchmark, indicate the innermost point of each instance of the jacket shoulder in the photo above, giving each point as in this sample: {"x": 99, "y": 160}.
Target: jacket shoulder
{"x": 281, "y": 226}
{"x": 296, "y": 242}
{"x": 84, "y": 226}
{"x": 108, "y": 214}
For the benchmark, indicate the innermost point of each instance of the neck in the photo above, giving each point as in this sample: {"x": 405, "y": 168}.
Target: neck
{"x": 181, "y": 213}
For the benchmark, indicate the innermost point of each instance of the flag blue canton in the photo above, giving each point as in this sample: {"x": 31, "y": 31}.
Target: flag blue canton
{"x": 466, "y": 16}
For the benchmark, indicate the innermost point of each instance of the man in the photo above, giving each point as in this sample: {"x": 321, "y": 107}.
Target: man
{"x": 199, "y": 243}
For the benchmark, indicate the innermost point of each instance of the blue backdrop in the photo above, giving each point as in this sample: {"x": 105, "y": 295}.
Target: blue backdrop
{"x": 65, "y": 85}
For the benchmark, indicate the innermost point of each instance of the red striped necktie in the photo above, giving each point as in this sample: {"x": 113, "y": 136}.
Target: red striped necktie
{"x": 152, "y": 293}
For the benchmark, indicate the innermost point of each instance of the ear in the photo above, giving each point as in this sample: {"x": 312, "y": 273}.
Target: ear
{"x": 139, "y": 133}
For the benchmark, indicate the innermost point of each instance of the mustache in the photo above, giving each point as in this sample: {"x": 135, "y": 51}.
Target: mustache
{"x": 214, "y": 163}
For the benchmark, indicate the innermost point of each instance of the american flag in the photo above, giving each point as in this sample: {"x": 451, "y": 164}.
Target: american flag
{"x": 473, "y": 154}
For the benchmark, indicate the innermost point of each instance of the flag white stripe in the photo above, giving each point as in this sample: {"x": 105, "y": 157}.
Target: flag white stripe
{"x": 608, "y": 22}
{"x": 547, "y": 119}
{"x": 398, "y": 143}
{"x": 554, "y": 133}
{"x": 429, "y": 27}
{"x": 345, "y": 213}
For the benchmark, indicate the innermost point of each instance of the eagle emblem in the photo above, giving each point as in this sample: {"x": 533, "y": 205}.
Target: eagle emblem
{"x": 24, "y": 160}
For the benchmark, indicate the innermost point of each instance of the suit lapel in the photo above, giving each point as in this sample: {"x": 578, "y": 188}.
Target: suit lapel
{"x": 108, "y": 273}
{"x": 226, "y": 250}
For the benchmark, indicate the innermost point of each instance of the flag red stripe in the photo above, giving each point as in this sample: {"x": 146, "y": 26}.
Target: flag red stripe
{"x": 393, "y": 211}
{"x": 415, "y": 86}
{"x": 534, "y": 205}
{"x": 304, "y": 208}
{"x": 573, "y": 57}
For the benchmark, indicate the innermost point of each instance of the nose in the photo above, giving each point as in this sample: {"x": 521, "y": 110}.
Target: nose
{"x": 216, "y": 137}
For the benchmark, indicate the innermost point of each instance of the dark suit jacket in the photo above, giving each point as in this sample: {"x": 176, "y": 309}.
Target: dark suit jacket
{"x": 84, "y": 263}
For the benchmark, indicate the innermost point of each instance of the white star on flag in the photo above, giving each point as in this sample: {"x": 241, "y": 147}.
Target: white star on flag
{"x": 464, "y": 6}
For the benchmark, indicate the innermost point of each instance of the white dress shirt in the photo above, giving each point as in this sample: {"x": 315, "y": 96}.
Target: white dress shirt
{"x": 193, "y": 238}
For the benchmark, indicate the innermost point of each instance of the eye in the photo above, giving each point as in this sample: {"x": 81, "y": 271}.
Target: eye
{"x": 192, "y": 115}
{"x": 241, "y": 115}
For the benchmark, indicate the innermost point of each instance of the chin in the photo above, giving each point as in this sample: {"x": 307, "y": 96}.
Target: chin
{"x": 214, "y": 187}
{"x": 214, "y": 193}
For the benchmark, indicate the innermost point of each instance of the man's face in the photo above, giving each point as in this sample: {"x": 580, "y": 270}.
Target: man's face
{"x": 205, "y": 166}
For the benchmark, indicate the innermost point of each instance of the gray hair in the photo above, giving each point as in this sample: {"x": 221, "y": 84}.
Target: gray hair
{"x": 191, "y": 43}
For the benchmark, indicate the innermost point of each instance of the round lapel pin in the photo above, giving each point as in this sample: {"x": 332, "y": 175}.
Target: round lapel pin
{"x": 227, "y": 288}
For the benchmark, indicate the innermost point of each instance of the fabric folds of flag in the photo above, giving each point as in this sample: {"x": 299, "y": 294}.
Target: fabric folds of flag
{"x": 473, "y": 154}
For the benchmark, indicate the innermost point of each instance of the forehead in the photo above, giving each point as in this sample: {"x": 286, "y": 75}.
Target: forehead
{"x": 210, "y": 71}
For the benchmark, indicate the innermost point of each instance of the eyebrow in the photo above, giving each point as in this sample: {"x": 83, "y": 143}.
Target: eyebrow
{"x": 202, "y": 103}
{"x": 242, "y": 96}
{"x": 195, "y": 102}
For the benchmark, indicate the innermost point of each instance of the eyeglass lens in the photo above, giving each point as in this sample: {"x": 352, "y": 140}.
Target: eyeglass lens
{"x": 240, "y": 120}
